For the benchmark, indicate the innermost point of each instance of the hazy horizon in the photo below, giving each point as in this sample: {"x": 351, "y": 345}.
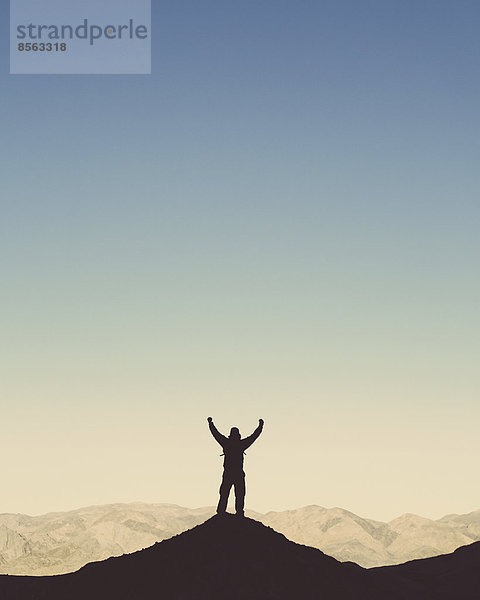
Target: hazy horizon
{"x": 231, "y": 509}
{"x": 281, "y": 222}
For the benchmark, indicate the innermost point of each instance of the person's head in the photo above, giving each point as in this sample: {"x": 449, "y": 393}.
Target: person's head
{"x": 234, "y": 433}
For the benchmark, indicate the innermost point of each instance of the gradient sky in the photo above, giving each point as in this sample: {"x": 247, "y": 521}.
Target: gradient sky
{"x": 280, "y": 222}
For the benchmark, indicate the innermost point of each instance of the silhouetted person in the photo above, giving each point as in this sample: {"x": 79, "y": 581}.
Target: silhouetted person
{"x": 233, "y": 474}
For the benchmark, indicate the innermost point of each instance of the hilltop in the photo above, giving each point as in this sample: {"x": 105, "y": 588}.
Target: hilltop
{"x": 240, "y": 558}
{"x": 225, "y": 557}
{"x": 63, "y": 542}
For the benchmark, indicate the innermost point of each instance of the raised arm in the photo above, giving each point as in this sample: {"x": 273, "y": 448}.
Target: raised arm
{"x": 221, "y": 439}
{"x": 248, "y": 441}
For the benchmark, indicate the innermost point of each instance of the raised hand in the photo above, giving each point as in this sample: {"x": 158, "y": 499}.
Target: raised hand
{"x": 260, "y": 421}
{"x": 209, "y": 419}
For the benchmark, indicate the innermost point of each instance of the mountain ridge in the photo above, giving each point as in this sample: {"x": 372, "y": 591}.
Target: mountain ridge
{"x": 225, "y": 556}
{"x": 237, "y": 558}
{"x": 62, "y": 542}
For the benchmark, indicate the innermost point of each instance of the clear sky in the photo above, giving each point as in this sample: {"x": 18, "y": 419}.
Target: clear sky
{"x": 280, "y": 222}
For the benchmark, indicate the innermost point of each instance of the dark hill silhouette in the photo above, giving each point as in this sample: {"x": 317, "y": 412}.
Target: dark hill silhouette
{"x": 454, "y": 576}
{"x": 230, "y": 558}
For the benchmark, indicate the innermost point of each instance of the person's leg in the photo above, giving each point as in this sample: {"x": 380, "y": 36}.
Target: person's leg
{"x": 239, "y": 493}
{"x": 224, "y": 493}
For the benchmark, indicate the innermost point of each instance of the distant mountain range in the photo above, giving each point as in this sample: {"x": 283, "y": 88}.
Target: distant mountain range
{"x": 63, "y": 542}
{"x": 346, "y": 536}
{"x": 238, "y": 558}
